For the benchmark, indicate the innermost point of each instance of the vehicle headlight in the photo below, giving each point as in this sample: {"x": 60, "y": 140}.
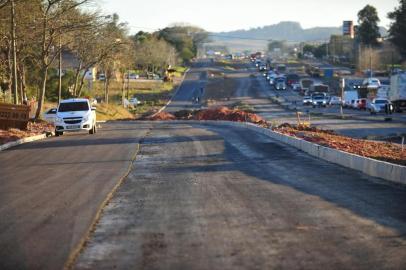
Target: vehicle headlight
{"x": 58, "y": 119}
{"x": 85, "y": 118}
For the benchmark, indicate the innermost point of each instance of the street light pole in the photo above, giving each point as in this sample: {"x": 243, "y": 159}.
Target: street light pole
{"x": 342, "y": 86}
{"x": 60, "y": 71}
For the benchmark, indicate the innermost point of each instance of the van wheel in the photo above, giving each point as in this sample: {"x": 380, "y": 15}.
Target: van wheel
{"x": 58, "y": 133}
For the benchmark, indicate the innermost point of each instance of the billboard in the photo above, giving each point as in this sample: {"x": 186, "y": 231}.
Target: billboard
{"x": 348, "y": 28}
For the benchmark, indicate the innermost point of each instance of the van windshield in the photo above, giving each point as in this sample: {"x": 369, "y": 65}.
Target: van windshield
{"x": 73, "y": 107}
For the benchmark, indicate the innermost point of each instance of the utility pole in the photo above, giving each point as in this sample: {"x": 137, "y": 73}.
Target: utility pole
{"x": 342, "y": 86}
{"x": 60, "y": 70}
{"x": 370, "y": 61}
{"x": 14, "y": 51}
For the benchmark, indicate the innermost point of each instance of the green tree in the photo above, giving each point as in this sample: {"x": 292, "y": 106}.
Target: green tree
{"x": 397, "y": 29}
{"x": 321, "y": 51}
{"x": 185, "y": 39}
{"x": 277, "y": 45}
{"x": 368, "y": 29}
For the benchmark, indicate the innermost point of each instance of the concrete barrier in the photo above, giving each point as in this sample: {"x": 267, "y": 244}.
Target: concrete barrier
{"x": 371, "y": 167}
{"x": 22, "y": 141}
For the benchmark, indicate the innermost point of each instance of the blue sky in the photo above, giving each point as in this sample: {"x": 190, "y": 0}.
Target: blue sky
{"x": 225, "y": 15}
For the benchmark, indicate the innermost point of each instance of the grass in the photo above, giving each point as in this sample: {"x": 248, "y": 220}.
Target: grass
{"x": 106, "y": 112}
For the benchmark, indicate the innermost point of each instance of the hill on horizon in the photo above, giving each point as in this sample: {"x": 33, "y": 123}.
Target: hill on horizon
{"x": 289, "y": 31}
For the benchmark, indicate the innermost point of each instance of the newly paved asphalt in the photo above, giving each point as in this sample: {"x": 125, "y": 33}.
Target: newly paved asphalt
{"x": 50, "y": 191}
{"x": 216, "y": 197}
{"x": 197, "y": 197}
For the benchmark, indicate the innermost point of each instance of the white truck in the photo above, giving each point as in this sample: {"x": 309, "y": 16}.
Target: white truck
{"x": 397, "y": 92}
{"x": 350, "y": 97}
{"x": 75, "y": 115}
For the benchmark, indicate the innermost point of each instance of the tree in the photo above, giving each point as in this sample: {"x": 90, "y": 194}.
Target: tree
{"x": 321, "y": 51}
{"x": 277, "y": 45}
{"x": 186, "y": 39}
{"x": 154, "y": 54}
{"x": 397, "y": 29}
{"x": 368, "y": 30}
{"x": 57, "y": 17}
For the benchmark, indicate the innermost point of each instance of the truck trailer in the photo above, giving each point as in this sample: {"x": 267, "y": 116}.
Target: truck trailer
{"x": 397, "y": 92}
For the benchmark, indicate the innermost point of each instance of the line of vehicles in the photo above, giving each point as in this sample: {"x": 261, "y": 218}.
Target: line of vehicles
{"x": 371, "y": 95}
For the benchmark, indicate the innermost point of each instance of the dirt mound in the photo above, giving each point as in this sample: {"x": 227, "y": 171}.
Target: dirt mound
{"x": 162, "y": 116}
{"x": 377, "y": 150}
{"x": 33, "y": 128}
{"x": 226, "y": 114}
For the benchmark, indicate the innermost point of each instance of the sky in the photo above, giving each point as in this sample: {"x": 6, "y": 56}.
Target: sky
{"x": 227, "y": 15}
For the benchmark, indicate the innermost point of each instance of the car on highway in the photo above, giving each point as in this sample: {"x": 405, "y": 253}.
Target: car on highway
{"x": 319, "y": 100}
{"x": 372, "y": 83}
{"x": 292, "y": 78}
{"x": 262, "y": 68}
{"x": 296, "y": 87}
{"x": 258, "y": 62}
{"x": 75, "y": 115}
{"x": 280, "y": 83}
{"x": 272, "y": 78}
{"x": 361, "y": 104}
{"x": 378, "y": 105}
{"x": 334, "y": 100}
{"x": 269, "y": 74}
{"x": 307, "y": 100}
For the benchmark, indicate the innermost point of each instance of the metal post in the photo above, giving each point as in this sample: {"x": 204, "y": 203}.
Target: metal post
{"x": 13, "y": 44}
{"x": 342, "y": 84}
{"x": 403, "y": 143}
{"x": 60, "y": 71}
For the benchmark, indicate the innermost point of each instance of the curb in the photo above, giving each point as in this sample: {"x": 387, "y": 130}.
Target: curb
{"x": 22, "y": 141}
{"x": 371, "y": 167}
{"x": 176, "y": 92}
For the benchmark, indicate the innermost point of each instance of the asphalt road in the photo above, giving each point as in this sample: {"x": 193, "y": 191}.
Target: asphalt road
{"x": 210, "y": 197}
{"x": 50, "y": 191}
{"x": 192, "y": 87}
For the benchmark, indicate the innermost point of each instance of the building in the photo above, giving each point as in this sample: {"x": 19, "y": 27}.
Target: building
{"x": 342, "y": 48}
{"x": 348, "y": 29}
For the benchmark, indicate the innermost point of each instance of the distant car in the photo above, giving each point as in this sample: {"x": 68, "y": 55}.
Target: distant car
{"x": 280, "y": 84}
{"x": 50, "y": 115}
{"x": 292, "y": 78}
{"x": 296, "y": 87}
{"x": 361, "y": 104}
{"x": 262, "y": 67}
{"x": 372, "y": 83}
{"x": 268, "y": 76}
{"x": 272, "y": 78}
{"x": 132, "y": 76}
{"x": 319, "y": 100}
{"x": 378, "y": 105}
{"x": 334, "y": 101}
{"x": 134, "y": 102}
{"x": 101, "y": 77}
{"x": 307, "y": 100}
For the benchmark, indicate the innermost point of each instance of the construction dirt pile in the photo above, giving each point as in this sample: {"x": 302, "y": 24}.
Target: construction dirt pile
{"x": 216, "y": 114}
{"x": 376, "y": 150}
{"x": 161, "y": 116}
{"x": 226, "y": 114}
{"x": 34, "y": 128}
